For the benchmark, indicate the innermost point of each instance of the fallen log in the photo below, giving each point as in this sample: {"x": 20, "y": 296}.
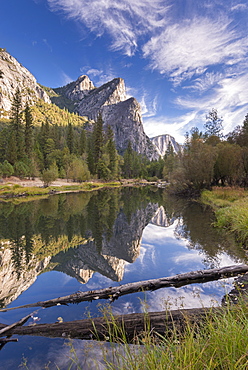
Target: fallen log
{"x": 130, "y": 326}
{"x": 112, "y": 293}
{"x": 6, "y": 329}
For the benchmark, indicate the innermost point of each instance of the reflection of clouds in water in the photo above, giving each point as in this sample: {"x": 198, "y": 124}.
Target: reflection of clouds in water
{"x": 147, "y": 253}
{"x": 197, "y": 257}
{"x": 187, "y": 257}
{"x": 224, "y": 260}
{"x": 99, "y": 282}
{"x": 193, "y": 296}
{"x": 156, "y": 234}
{"x": 86, "y": 355}
{"x": 123, "y": 308}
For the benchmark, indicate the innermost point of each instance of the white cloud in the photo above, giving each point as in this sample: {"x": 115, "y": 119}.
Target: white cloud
{"x": 239, "y": 7}
{"x": 65, "y": 79}
{"x": 206, "y": 81}
{"x": 148, "y": 106}
{"x": 176, "y": 126}
{"x": 229, "y": 97}
{"x": 187, "y": 48}
{"x": 100, "y": 76}
{"x": 94, "y": 72}
{"x": 125, "y": 21}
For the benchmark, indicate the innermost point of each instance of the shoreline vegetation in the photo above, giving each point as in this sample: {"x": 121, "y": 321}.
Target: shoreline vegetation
{"x": 230, "y": 205}
{"x": 14, "y": 188}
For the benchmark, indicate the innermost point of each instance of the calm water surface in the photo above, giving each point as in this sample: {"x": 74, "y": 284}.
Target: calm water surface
{"x": 78, "y": 242}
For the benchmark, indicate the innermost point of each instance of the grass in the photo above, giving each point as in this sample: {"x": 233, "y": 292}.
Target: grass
{"x": 231, "y": 210}
{"x": 220, "y": 344}
{"x": 19, "y": 193}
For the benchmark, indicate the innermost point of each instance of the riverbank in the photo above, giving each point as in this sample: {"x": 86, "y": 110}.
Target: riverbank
{"x": 21, "y": 189}
{"x": 231, "y": 209}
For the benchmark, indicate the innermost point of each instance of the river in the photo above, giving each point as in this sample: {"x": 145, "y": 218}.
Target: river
{"x": 83, "y": 241}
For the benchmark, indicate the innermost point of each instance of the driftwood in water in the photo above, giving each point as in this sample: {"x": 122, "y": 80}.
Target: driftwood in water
{"x": 112, "y": 293}
{"x": 6, "y": 329}
{"x": 132, "y": 325}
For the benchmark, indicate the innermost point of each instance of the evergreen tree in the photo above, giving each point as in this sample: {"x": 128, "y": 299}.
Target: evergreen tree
{"x": 82, "y": 142}
{"x": 90, "y": 155}
{"x": 16, "y": 134}
{"x": 98, "y": 140}
{"x": 128, "y": 162}
{"x": 28, "y": 133}
{"x": 213, "y": 125}
{"x": 112, "y": 153}
{"x": 70, "y": 138}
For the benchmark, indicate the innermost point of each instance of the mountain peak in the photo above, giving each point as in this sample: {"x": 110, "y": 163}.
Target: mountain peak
{"x": 14, "y": 75}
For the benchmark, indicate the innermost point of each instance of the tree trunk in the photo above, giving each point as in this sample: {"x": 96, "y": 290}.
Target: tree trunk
{"x": 112, "y": 293}
{"x": 113, "y": 327}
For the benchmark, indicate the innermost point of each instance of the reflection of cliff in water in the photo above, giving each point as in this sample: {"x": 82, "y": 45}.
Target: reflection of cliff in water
{"x": 161, "y": 218}
{"x": 75, "y": 233}
{"x": 123, "y": 245}
{"x": 12, "y": 284}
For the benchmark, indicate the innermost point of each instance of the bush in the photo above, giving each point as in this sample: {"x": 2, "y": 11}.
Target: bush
{"x": 21, "y": 169}
{"x": 49, "y": 175}
{"x": 7, "y": 169}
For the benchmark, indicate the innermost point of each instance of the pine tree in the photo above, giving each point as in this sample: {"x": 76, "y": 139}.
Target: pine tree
{"x": 28, "y": 133}
{"x": 112, "y": 153}
{"x": 70, "y": 138}
{"x": 82, "y": 142}
{"x": 98, "y": 140}
{"x": 213, "y": 125}
{"x": 16, "y": 135}
{"x": 128, "y": 161}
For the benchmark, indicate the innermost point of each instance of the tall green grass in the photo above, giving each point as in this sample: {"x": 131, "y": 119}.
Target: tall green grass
{"x": 221, "y": 343}
{"x": 231, "y": 210}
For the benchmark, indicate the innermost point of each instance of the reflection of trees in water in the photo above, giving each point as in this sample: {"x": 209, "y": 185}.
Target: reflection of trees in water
{"x": 21, "y": 245}
{"x": 93, "y": 215}
{"x": 87, "y": 215}
{"x": 195, "y": 223}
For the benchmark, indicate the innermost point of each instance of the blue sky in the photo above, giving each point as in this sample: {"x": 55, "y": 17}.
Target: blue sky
{"x": 179, "y": 58}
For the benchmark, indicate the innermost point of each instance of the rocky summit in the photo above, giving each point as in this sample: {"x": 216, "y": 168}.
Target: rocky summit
{"x": 13, "y": 75}
{"x": 122, "y": 114}
{"x": 164, "y": 142}
{"x": 82, "y": 97}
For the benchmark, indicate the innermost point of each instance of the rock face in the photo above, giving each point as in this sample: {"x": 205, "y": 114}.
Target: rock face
{"x": 122, "y": 114}
{"x": 126, "y": 122}
{"x": 77, "y": 90}
{"x": 162, "y": 143}
{"x": 12, "y": 285}
{"x": 13, "y": 75}
{"x": 82, "y": 97}
{"x": 122, "y": 247}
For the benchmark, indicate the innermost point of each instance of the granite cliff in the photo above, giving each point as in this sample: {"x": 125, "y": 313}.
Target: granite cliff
{"x": 13, "y": 75}
{"x": 163, "y": 142}
{"x": 122, "y": 114}
{"x": 81, "y": 96}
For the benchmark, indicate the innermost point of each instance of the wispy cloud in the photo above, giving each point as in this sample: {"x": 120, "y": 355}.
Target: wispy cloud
{"x": 100, "y": 75}
{"x": 229, "y": 97}
{"x": 148, "y": 105}
{"x": 45, "y": 42}
{"x": 188, "y": 48}
{"x": 65, "y": 79}
{"x": 176, "y": 126}
{"x": 206, "y": 81}
{"x": 239, "y": 7}
{"x": 125, "y": 21}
